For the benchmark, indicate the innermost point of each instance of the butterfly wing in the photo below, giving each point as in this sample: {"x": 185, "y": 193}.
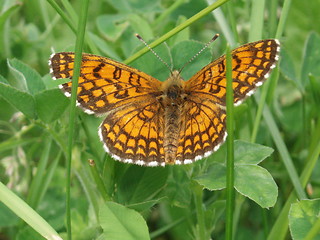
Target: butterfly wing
{"x": 134, "y": 134}
{"x": 251, "y": 65}
{"x": 132, "y": 130}
{"x": 104, "y": 84}
{"x": 205, "y": 117}
{"x": 203, "y": 129}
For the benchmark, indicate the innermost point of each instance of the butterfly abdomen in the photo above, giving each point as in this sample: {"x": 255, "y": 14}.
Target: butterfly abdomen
{"x": 172, "y": 101}
{"x": 171, "y": 132}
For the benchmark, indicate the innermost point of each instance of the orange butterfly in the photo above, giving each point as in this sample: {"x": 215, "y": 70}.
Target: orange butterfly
{"x": 149, "y": 122}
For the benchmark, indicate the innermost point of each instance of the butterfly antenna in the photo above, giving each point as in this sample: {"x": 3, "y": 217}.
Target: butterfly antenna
{"x": 205, "y": 46}
{"x": 146, "y": 44}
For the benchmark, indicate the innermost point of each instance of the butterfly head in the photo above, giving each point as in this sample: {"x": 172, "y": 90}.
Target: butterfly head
{"x": 173, "y": 89}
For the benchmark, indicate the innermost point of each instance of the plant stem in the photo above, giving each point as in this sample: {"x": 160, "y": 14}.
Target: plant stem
{"x": 76, "y": 74}
{"x": 198, "y": 194}
{"x": 230, "y": 150}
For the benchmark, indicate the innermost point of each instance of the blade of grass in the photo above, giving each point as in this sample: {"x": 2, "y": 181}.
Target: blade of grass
{"x": 177, "y": 29}
{"x": 256, "y": 20}
{"x": 90, "y": 191}
{"x": 71, "y": 24}
{"x": 36, "y": 185}
{"x": 233, "y": 23}
{"x": 98, "y": 180}
{"x": 314, "y": 231}
{"x": 76, "y": 74}
{"x": 25, "y": 212}
{"x": 272, "y": 20}
{"x": 91, "y": 142}
{"x": 283, "y": 18}
{"x": 261, "y": 103}
{"x": 198, "y": 197}
{"x": 70, "y": 10}
{"x": 64, "y": 16}
{"x": 284, "y": 153}
{"x": 223, "y": 23}
{"x": 256, "y": 27}
{"x": 230, "y": 149}
{"x": 164, "y": 15}
{"x": 49, "y": 175}
{"x": 279, "y": 33}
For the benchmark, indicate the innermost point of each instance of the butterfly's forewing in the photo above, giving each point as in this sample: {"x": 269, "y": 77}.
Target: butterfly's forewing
{"x": 251, "y": 65}
{"x": 104, "y": 84}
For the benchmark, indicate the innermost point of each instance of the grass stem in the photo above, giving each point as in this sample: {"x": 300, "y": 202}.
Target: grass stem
{"x": 76, "y": 74}
{"x": 230, "y": 148}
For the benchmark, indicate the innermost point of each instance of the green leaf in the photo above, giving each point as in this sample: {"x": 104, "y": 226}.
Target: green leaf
{"x": 26, "y": 76}
{"x": 140, "y": 6}
{"x": 139, "y": 184}
{"x": 50, "y": 104}
{"x": 214, "y": 178}
{"x": 250, "y": 179}
{"x": 112, "y": 26}
{"x": 151, "y": 65}
{"x": 119, "y": 222}
{"x": 105, "y": 47}
{"x": 303, "y": 217}
{"x": 22, "y": 101}
{"x": 145, "y": 205}
{"x": 311, "y": 60}
{"x": 257, "y": 184}
{"x": 287, "y": 67}
{"x": 250, "y": 153}
{"x": 183, "y": 51}
{"x": 83, "y": 228}
{"x": 141, "y": 26}
{"x": 180, "y": 36}
{"x": 178, "y": 188}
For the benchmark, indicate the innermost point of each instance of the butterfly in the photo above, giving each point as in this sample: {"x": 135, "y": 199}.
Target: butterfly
{"x": 149, "y": 122}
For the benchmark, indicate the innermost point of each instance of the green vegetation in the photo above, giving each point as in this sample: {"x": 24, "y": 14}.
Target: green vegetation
{"x": 57, "y": 183}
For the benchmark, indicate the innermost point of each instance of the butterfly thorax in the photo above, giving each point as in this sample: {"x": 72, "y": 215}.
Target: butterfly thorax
{"x": 172, "y": 100}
